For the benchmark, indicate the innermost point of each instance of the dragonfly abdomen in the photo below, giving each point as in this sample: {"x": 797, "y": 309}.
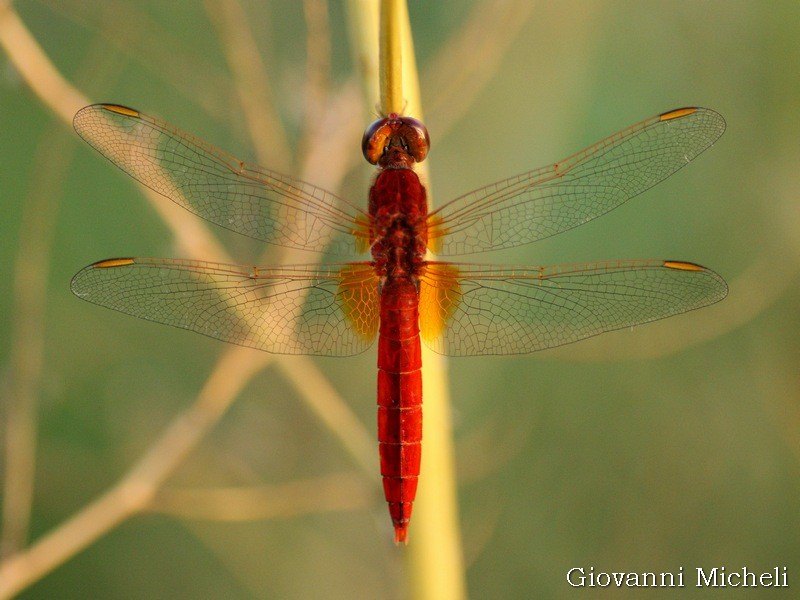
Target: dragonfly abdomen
{"x": 399, "y": 399}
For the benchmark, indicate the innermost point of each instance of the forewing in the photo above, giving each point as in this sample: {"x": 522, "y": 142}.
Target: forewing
{"x": 285, "y": 310}
{"x": 239, "y": 196}
{"x": 479, "y": 310}
{"x": 561, "y": 196}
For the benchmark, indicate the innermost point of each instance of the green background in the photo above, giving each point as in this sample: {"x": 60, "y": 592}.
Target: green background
{"x": 676, "y": 444}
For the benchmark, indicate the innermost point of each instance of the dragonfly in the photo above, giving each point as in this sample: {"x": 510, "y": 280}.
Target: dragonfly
{"x": 397, "y": 293}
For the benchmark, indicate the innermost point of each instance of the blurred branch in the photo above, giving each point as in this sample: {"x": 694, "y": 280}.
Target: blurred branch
{"x": 329, "y": 407}
{"x": 318, "y": 72}
{"x": 251, "y": 84}
{"x": 31, "y": 271}
{"x": 334, "y": 492}
{"x": 36, "y": 69}
{"x": 340, "y": 125}
{"x": 362, "y": 16}
{"x": 136, "y": 489}
{"x": 467, "y": 62}
{"x": 140, "y": 39}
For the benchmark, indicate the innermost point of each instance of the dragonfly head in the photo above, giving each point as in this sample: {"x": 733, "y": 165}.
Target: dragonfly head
{"x": 395, "y": 142}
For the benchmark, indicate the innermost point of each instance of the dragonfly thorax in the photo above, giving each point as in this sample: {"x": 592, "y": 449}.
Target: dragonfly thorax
{"x": 398, "y": 214}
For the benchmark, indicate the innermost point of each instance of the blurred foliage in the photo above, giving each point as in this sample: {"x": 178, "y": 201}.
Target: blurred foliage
{"x": 672, "y": 445}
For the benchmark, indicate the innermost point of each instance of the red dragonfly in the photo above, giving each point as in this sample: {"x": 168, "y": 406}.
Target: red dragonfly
{"x": 458, "y": 309}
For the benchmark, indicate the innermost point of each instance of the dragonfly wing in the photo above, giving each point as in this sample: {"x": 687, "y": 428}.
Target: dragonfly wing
{"x": 239, "y": 196}
{"x": 561, "y": 196}
{"x": 472, "y": 310}
{"x": 331, "y": 311}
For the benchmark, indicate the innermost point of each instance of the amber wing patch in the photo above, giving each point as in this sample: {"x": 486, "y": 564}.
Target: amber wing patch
{"x": 439, "y": 296}
{"x": 358, "y": 297}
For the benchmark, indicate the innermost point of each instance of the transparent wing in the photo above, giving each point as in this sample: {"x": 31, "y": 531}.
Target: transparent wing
{"x": 469, "y": 310}
{"x": 557, "y": 197}
{"x": 331, "y": 311}
{"x": 239, "y": 196}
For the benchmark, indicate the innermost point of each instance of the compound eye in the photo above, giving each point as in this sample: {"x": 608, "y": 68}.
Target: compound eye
{"x": 417, "y": 139}
{"x": 374, "y": 140}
